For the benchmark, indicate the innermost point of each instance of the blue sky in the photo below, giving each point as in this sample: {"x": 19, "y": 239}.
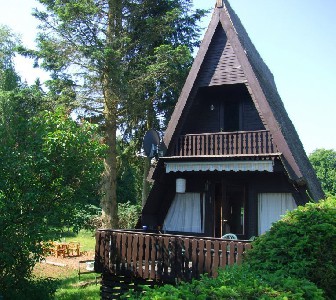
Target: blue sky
{"x": 296, "y": 39}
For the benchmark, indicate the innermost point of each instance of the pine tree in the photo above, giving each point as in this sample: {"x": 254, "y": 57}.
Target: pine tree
{"x": 124, "y": 60}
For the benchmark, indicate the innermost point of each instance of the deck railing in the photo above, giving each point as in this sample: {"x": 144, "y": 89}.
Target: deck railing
{"x": 161, "y": 257}
{"x": 225, "y": 143}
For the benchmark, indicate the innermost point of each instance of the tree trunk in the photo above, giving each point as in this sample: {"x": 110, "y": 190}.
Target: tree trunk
{"x": 145, "y": 183}
{"x": 109, "y": 199}
{"x": 111, "y": 100}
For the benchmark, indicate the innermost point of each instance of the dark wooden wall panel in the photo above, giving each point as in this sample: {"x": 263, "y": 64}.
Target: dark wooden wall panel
{"x": 250, "y": 117}
{"x": 203, "y": 119}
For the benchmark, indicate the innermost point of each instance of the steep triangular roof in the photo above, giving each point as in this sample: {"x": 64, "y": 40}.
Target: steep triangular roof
{"x": 227, "y": 56}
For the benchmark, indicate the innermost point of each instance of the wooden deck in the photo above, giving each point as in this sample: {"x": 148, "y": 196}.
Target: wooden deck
{"x": 163, "y": 258}
{"x": 225, "y": 143}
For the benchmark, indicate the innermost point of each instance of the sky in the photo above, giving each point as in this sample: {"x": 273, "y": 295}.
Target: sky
{"x": 296, "y": 39}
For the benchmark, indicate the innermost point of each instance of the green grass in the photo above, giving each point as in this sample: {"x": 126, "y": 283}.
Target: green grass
{"x": 73, "y": 289}
{"x": 85, "y": 238}
{"x": 69, "y": 287}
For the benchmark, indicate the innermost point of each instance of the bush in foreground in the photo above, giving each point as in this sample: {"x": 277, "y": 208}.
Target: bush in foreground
{"x": 302, "y": 245}
{"x": 235, "y": 283}
{"x": 32, "y": 288}
{"x": 296, "y": 259}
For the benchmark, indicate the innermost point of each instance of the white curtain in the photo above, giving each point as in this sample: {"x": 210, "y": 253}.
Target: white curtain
{"x": 185, "y": 214}
{"x": 271, "y": 206}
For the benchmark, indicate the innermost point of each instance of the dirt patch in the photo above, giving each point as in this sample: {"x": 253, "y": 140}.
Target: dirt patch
{"x": 63, "y": 266}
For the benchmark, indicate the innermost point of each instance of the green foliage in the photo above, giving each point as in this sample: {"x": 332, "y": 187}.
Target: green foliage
{"x": 37, "y": 289}
{"x": 8, "y": 43}
{"x": 107, "y": 56}
{"x": 50, "y": 167}
{"x": 128, "y": 215}
{"x": 301, "y": 245}
{"x": 129, "y": 173}
{"x": 148, "y": 55}
{"x": 234, "y": 283}
{"x": 84, "y": 217}
{"x": 324, "y": 163}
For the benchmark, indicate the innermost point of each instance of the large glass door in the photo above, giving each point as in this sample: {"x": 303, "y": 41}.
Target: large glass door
{"x": 229, "y": 209}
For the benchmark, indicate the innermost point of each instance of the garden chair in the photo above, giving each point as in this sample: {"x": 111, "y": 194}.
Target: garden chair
{"x": 230, "y": 236}
{"x": 74, "y": 247}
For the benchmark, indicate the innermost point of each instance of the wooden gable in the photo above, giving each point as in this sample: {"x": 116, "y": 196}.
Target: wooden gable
{"x": 228, "y": 57}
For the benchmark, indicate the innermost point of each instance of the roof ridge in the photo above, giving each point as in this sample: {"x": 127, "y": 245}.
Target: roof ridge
{"x": 219, "y": 3}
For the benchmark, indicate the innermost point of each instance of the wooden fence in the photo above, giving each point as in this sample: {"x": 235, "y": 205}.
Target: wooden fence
{"x": 163, "y": 258}
{"x": 225, "y": 143}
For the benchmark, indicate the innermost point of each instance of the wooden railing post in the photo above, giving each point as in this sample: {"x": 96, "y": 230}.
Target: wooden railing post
{"x": 99, "y": 252}
{"x": 163, "y": 258}
{"x": 178, "y": 259}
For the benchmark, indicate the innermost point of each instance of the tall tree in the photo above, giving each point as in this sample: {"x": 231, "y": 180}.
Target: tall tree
{"x": 121, "y": 58}
{"x": 8, "y": 42}
{"x": 50, "y": 167}
{"x": 324, "y": 163}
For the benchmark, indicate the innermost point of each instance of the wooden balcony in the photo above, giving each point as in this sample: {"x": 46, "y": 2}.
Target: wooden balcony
{"x": 225, "y": 144}
{"x": 161, "y": 257}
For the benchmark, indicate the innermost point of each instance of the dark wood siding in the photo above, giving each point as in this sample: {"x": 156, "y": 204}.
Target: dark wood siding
{"x": 250, "y": 117}
{"x": 208, "y": 112}
{"x": 202, "y": 118}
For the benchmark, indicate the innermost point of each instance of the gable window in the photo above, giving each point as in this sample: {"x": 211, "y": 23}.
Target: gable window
{"x": 231, "y": 120}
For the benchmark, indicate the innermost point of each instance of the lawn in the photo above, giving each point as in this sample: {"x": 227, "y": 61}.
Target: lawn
{"x": 66, "y": 272}
{"x": 73, "y": 289}
{"x": 85, "y": 238}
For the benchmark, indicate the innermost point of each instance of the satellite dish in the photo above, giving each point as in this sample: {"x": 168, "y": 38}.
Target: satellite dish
{"x": 151, "y": 143}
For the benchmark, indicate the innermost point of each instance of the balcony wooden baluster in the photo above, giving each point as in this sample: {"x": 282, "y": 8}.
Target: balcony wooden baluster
{"x": 224, "y": 144}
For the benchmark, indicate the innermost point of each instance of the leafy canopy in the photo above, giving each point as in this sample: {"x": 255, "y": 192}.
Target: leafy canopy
{"x": 122, "y": 62}
{"x": 50, "y": 168}
{"x": 143, "y": 46}
{"x": 8, "y": 42}
{"x": 324, "y": 163}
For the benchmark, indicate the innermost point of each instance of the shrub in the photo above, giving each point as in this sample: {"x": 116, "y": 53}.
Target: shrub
{"x": 234, "y": 283}
{"x": 301, "y": 245}
{"x": 37, "y": 289}
{"x": 128, "y": 215}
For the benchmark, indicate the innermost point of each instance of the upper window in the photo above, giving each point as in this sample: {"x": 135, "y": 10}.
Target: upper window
{"x": 231, "y": 120}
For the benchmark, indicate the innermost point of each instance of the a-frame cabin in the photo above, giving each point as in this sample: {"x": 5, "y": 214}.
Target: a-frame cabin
{"x": 234, "y": 161}
{"x": 233, "y": 164}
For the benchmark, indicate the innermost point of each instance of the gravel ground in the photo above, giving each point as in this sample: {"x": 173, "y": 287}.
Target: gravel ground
{"x": 63, "y": 266}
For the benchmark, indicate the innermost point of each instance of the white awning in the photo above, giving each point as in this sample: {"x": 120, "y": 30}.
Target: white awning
{"x": 235, "y": 166}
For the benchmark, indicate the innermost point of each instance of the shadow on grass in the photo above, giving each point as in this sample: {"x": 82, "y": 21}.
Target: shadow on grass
{"x": 69, "y": 233}
{"x": 73, "y": 289}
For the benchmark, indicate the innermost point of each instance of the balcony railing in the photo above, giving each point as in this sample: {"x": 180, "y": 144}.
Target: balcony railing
{"x": 225, "y": 143}
{"x": 162, "y": 257}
